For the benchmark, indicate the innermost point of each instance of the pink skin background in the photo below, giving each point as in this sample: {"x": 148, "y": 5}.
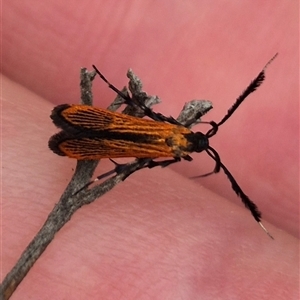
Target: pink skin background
{"x": 160, "y": 234}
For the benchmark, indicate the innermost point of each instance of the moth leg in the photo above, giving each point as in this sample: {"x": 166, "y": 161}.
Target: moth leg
{"x": 215, "y": 156}
{"x": 120, "y": 168}
{"x": 96, "y": 179}
{"x": 157, "y": 116}
{"x": 128, "y": 100}
{"x": 164, "y": 163}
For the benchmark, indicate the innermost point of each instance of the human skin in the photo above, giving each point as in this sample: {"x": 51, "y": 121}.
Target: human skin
{"x": 158, "y": 235}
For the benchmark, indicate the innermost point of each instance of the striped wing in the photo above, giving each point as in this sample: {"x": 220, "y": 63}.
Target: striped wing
{"x": 94, "y": 133}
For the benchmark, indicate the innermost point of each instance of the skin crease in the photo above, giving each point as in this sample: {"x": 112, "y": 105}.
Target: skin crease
{"x": 159, "y": 235}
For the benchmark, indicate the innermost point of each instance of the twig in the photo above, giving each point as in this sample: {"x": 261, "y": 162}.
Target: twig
{"x": 71, "y": 201}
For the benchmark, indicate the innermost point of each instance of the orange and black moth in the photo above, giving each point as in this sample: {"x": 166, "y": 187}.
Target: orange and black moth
{"x": 90, "y": 133}
{"x": 95, "y": 133}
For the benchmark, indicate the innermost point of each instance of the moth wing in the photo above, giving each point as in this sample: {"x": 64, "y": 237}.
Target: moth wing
{"x": 97, "y": 147}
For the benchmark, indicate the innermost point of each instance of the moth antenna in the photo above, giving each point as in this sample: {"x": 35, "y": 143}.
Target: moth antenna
{"x": 265, "y": 230}
{"x": 250, "y": 89}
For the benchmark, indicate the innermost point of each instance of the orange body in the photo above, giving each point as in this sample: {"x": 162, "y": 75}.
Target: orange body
{"x": 94, "y": 133}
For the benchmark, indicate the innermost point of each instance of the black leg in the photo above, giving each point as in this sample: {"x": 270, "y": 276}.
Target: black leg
{"x": 163, "y": 163}
{"x": 128, "y": 100}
